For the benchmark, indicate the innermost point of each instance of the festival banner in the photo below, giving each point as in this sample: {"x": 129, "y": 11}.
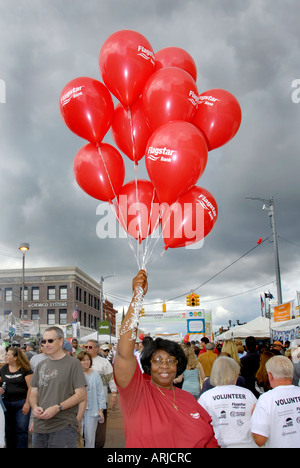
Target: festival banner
{"x": 284, "y": 312}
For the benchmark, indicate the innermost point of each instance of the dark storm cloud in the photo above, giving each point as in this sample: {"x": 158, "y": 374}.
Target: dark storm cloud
{"x": 250, "y": 48}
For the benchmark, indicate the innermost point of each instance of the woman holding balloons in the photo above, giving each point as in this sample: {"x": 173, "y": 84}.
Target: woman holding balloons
{"x": 156, "y": 414}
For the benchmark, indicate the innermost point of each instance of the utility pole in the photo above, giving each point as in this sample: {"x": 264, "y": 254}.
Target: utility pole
{"x": 269, "y": 206}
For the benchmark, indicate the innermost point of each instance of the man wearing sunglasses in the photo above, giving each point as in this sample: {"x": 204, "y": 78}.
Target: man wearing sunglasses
{"x": 58, "y": 395}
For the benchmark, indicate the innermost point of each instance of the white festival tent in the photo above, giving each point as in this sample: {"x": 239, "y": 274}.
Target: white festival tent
{"x": 100, "y": 338}
{"x": 259, "y": 328}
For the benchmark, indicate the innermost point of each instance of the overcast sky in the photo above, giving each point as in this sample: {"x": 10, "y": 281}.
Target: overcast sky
{"x": 251, "y": 49}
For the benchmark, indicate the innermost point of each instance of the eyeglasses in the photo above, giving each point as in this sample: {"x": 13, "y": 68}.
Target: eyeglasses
{"x": 157, "y": 361}
{"x": 89, "y": 347}
{"x": 50, "y": 341}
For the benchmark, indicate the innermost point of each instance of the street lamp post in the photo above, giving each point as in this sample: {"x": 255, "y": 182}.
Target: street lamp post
{"x": 269, "y": 205}
{"x": 24, "y": 247}
{"x": 101, "y": 294}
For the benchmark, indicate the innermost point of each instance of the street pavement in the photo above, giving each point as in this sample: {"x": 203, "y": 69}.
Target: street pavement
{"x": 115, "y": 437}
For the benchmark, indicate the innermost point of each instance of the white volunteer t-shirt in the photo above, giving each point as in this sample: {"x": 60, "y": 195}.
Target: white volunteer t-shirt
{"x": 230, "y": 408}
{"x": 277, "y": 416}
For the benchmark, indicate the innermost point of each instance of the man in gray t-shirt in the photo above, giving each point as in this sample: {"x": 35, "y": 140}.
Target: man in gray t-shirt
{"x": 58, "y": 388}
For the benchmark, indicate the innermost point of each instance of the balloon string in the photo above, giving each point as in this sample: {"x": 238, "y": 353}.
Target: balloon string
{"x": 118, "y": 206}
{"x": 160, "y": 235}
{"x": 148, "y": 231}
{"x": 139, "y": 240}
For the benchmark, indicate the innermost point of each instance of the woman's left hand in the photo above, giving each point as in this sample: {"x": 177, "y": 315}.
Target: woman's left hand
{"x": 26, "y": 408}
{"x": 100, "y": 412}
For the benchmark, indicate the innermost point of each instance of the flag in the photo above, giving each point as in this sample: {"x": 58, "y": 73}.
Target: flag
{"x": 75, "y": 313}
{"x": 269, "y": 295}
{"x": 262, "y": 304}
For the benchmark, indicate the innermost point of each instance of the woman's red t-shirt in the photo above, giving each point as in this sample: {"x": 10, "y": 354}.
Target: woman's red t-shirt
{"x": 151, "y": 421}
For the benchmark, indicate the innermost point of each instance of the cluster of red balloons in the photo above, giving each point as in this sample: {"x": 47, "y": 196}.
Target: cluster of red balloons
{"x": 160, "y": 115}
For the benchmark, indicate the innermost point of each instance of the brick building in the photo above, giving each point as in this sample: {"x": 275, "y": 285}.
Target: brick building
{"x": 51, "y": 295}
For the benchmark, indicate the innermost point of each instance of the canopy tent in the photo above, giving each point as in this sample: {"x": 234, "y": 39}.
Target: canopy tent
{"x": 100, "y": 338}
{"x": 259, "y": 328}
{"x": 286, "y": 326}
{"x": 288, "y": 330}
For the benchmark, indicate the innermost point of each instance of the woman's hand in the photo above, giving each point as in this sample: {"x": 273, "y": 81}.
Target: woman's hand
{"x": 26, "y": 408}
{"x": 140, "y": 280}
{"x": 100, "y": 413}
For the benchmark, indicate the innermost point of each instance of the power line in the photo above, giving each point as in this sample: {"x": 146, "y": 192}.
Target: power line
{"x": 221, "y": 271}
{"x": 205, "y": 282}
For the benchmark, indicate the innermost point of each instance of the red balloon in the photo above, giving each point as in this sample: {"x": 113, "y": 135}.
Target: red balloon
{"x": 186, "y": 338}
{"x": 137, "y": 209}
{"x": 190, "y": 219}
{"x": 170, "y": 94}
{"x": 99, "y": 171}
{"x": 218, "y": 116}
{"x": 176, "y": 57}
{"x": 141, "y": 336}
{"x": 87, "y": 108}
{"x": 176, "y": 156}
{"x": 126, "y": 61}
{"x": 131, "y": 131}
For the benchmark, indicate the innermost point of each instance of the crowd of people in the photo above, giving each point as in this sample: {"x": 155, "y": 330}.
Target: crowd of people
{"x": 56, "y": 392}
{"x": 191, "y": 395}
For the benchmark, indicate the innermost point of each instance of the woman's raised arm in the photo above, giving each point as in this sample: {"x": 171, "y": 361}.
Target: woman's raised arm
{"x": 125, "y": 362}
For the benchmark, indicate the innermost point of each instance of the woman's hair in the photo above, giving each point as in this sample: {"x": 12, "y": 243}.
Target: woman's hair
{"x": 82, "y": 355}
{"x": 170, "y": 347}
{"x": 225, "y": 371}
{"x": 261, "y": 375}
{"x": 22, "y": 360}
{"x": 192, "y": 360}
{"x": 231, "y": 348}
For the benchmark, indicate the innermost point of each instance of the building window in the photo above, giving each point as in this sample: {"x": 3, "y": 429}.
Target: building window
{"x": 35, "y": 293}
{"x": 25, "y": 293}
{"x": 8, "y": 295}
{"x": 78, "y": 294}
{"x": 63, "y": 316}
{"x": 63, "y": 292}
{"x": 7, "y": 312}
{"x": 24, "y": 315}
{"x": 51, "y": 316}
{"x": 35, "y": 315}
{"x": 51, "y": 293}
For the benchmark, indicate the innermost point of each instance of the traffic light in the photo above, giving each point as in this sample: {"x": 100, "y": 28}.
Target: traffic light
{"x": 142, "y": 314}
{"x": 192, "y": 300}
{"x": 164, "y": 307}
{"x": 188, "y": 300}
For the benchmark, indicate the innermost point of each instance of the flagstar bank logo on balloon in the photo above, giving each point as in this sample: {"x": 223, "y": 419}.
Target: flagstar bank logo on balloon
{"x": 73, "y": 93}
{"x": 146, "y": 54}
{"x": 156, "y": 154}
{"x": 2, "y": 92}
